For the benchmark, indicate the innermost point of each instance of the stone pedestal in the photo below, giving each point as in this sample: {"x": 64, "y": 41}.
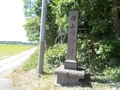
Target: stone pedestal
{"x": 68, "y": 77}
{"x": 68, "y": 74}
{"x": 70, "y": 64}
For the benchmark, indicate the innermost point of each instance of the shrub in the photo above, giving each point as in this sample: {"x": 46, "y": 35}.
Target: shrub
{"x": 99, "y": 54}
{"x": 55, "y": 55}
{"x": 96, "y": 55}
{"x": 109, "y": 75}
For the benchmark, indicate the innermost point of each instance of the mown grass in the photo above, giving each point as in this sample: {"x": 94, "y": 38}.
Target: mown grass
{"x": 7, "y": 50}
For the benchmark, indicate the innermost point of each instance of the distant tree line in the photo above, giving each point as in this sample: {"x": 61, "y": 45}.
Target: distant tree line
{"x": 18, "y": 43}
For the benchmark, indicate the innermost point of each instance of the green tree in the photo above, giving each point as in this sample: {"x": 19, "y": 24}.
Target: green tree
{"x": 32, "y": 28}
{"x": 116, "y": 16}
{"x": 97, "y": 29}
{"x": 32, "y": 11}
{"x": 32, "y": 25}
{"x": 98, "y": 15}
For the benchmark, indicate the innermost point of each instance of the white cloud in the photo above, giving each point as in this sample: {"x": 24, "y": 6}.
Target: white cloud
{"x": 12, "y": 20}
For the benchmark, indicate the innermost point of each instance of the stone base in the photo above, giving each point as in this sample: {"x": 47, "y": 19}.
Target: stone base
{"x": 68, "y": 77}
{"x": 70, "y": 64}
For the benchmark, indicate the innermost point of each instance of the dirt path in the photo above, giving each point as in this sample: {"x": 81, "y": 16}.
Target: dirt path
{"x": 9, "y": 64}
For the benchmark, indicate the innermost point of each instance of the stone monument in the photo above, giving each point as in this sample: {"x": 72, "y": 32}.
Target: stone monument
{"x": 69, "y": 74}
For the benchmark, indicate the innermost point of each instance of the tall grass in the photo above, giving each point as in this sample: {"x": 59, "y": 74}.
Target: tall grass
{"x": 7, "y": 50}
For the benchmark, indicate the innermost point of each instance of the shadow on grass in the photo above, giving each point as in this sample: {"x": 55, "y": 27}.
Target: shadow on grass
{"x": 114, "y": 81}
{"x": 89, "y": 80}
{"x": 117, "y": 85}
{"x": 107, "y": 80}
{"x": 98, "y": 80}
{"x": 82, "y": 82}
{"x": 47, "y": 73}
{"x": 86, "y": 82}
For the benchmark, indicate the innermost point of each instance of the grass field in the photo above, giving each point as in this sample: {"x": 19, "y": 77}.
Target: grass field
{"x": 7, "y": 50}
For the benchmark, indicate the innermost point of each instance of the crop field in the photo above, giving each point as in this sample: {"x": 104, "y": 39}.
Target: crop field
{"x": 7, "y": 50}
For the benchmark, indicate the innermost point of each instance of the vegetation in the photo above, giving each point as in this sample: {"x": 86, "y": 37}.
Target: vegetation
{"x": 109, "y": 79}
{"x": 55, "y": 55}
{"x": 8, "y": 50}
{"x": 98, "y": 31}
{"x": 98, "y": 41}
{"x": 32, "y": 62}
{"x": 18, "y": 43}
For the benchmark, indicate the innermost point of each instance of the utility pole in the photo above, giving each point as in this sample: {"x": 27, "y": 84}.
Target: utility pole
{"x": 42, "y": 36}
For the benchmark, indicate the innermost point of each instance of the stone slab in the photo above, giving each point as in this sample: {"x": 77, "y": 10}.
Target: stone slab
{"x": 68, "y": 77}
{"x": 72, "y": 35}
{"x": 70, "y": 64}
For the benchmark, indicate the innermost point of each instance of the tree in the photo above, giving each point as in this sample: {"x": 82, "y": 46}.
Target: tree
{"x": 97, "y": 27}
{"x": 32, "y": 28}
{"x": 116, "y": 17}
{"x": 96, "y": 15}
{"x": 32, "y": 11}
{"x": 32, "y": 25}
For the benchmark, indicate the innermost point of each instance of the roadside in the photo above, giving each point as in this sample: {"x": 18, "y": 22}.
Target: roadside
{"x": 30, "y": 80}
{"x": 26, "y": 78}
{"x": 8, "y": 64}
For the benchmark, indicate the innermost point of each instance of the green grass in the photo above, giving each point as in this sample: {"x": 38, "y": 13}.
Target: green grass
{"x": 110, "y": 74}
{"x": 32, "y": 62}
{"x": 97, "y": 82}
{"x": 7, "y": 50}
{"x": 108, "y": 80}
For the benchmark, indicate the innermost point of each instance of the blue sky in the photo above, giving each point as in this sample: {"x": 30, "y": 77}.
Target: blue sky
{"x": 12, "y": 20}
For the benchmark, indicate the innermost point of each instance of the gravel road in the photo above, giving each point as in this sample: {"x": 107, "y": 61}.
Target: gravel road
{"x": 9, "y": 64}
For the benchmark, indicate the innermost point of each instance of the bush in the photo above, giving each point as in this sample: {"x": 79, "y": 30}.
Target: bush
{"x": 52, "y": 59}
{"x": 112, "y": 74}
{"x": 55, "y": 55}
{"x": 109, "y": 75}
{"x": 99, "y": 54}
{"x": 96, "y": 55}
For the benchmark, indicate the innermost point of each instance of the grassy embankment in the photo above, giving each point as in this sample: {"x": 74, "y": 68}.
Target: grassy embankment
{"x": 27, "y": 78}
{"x": 7, "y": 50}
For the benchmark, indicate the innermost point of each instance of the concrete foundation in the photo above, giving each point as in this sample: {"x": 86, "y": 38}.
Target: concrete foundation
{"x": 68, "y": 77}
